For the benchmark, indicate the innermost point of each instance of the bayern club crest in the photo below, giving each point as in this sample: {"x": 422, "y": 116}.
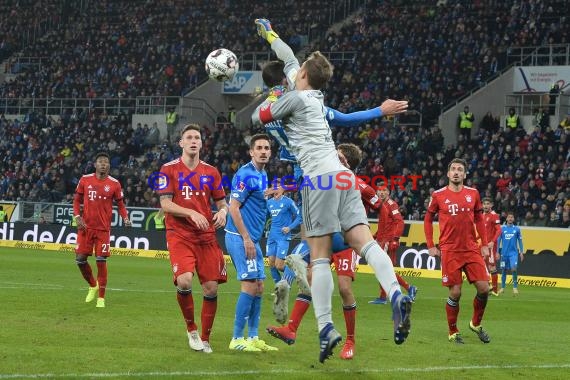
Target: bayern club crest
{"x": 107, "y": 188}
{"x": 468, "y": 198}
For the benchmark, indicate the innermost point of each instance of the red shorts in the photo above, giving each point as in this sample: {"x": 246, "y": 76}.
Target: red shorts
{"x": 453, "y": 264}
{"x": 345, "y": 263}
{"x": 93, "y": 240}
{"x": 206, "y": 260}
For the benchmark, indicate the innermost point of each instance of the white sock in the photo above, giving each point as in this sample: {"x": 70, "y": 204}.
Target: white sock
{"x": 322, "y": 287}
{"x": 382, "y": 266}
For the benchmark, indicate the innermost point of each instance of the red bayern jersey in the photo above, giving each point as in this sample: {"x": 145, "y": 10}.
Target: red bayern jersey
{"x": 193, "y": 189}
{"x": 492, "y": 226}
{"x": 97, "y": 196}
{"x": 458, "y": 212}
{"x": 367, "y": 194}
{"x": 390, "y": 221}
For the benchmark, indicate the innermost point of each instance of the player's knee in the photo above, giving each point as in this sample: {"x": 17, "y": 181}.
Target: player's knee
{"x": 81, "y": 261}
{"x": 101, "y": 259}
{"x": 210, "y": 289}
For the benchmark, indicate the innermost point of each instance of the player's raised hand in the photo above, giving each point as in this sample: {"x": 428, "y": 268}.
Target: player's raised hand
{"x": 393, "y": 107}
{"x": 127, "y": 222}
{"x": 434, "y": 251}
{"x": 199, "y": 220}
{"x": 264, "y": 30}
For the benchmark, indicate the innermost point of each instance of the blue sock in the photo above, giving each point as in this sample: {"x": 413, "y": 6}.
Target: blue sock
{"x": 254, "y": 316}
{"x": 515, "y": 279}
{"x": 288, "y": 275}
{"x": 504, "y": 278}
{"x": 275, "y": 274}
{"x": 243, "y": 308}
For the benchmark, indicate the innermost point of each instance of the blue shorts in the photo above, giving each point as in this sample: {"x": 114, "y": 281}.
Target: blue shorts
{"x": 509, "y": 262}
{"x": 246, "y": 269}
{"x": 303, "y": 249}
{"x": 277, "y": 248}
{"x": 338, "y": 243}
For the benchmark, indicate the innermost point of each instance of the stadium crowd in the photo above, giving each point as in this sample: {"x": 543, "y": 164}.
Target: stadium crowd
{"x": 425, "y": 53}
{"x": 45, "y": 158}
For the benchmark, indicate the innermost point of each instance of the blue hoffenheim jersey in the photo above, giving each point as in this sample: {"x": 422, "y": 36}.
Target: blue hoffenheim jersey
{"x": 509, "y": 240}
{"x": 248, "y": 186}
{"x": 284, "y": 213}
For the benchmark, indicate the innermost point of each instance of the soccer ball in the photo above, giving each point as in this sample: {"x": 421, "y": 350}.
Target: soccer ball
{"x": 222, "y": 65}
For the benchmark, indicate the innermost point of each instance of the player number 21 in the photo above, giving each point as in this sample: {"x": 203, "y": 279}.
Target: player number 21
{"x": 251, "y": 265}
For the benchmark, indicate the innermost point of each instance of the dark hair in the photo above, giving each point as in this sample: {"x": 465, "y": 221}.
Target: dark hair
{"x": 319, "y": 70}
{"x": 102, "y": 154}
{"x": 457, "y": 161}
{"x": 352, "y": 153}
{"x": 510, "y": 213}
{"x": 190, "y": 127}
{"x": 258, "y": 136}
{"x": 487, "y": 199}
{"x": 272, "y": 73}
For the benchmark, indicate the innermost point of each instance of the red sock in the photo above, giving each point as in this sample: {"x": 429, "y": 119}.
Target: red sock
{"x": 494, "y": 281}
{"x": 186, "y": 302}
{"x": 479, "y": 304}
{"x": 102, "y": 277}
{"x": 300, "y": 307}
{"x": 350, "y": 320}
{"x": 452, "y": 311}
{"x": 209, "y": 307}
{"x": 382, "y": 293}
{"x": 402, "y": 282}
{"x": 87, "y": 273}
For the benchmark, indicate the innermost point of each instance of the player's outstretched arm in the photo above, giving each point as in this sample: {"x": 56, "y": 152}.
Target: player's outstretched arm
{"x": 281, "y": 49}
{"x": 265, "y": 31}
{"x": 389, "y": 107}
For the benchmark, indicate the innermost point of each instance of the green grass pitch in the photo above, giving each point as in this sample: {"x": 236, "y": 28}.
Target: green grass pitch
{"x": 48, "y": 331}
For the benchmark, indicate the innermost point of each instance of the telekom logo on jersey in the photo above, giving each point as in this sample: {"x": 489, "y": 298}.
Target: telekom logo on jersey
{"x": 341, "y": 181}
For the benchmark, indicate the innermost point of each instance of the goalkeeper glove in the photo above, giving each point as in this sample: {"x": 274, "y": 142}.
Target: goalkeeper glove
{"x": 265, "y": 31}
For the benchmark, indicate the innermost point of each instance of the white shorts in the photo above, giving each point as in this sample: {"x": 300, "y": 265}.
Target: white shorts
{"x": 332, "y": 204}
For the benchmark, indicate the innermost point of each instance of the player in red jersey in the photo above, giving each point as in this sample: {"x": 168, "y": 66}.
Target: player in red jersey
{"x": 390, "y": 228}
{"x": 460, "y": 213}
{"x": 493, "y": 228}
{"x": 187, "y": 187}
{"x": 96, "y": 192}
{"x": 345, "y": 261}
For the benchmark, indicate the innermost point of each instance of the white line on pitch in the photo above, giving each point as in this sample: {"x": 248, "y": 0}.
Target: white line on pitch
{"x": 287, "y": 371}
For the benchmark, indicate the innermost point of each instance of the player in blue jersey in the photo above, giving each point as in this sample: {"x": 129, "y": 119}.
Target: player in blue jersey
{"x": 510, "y": 247}
{"x": 285, "y": 217}
{"x": 248, "y": 210}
